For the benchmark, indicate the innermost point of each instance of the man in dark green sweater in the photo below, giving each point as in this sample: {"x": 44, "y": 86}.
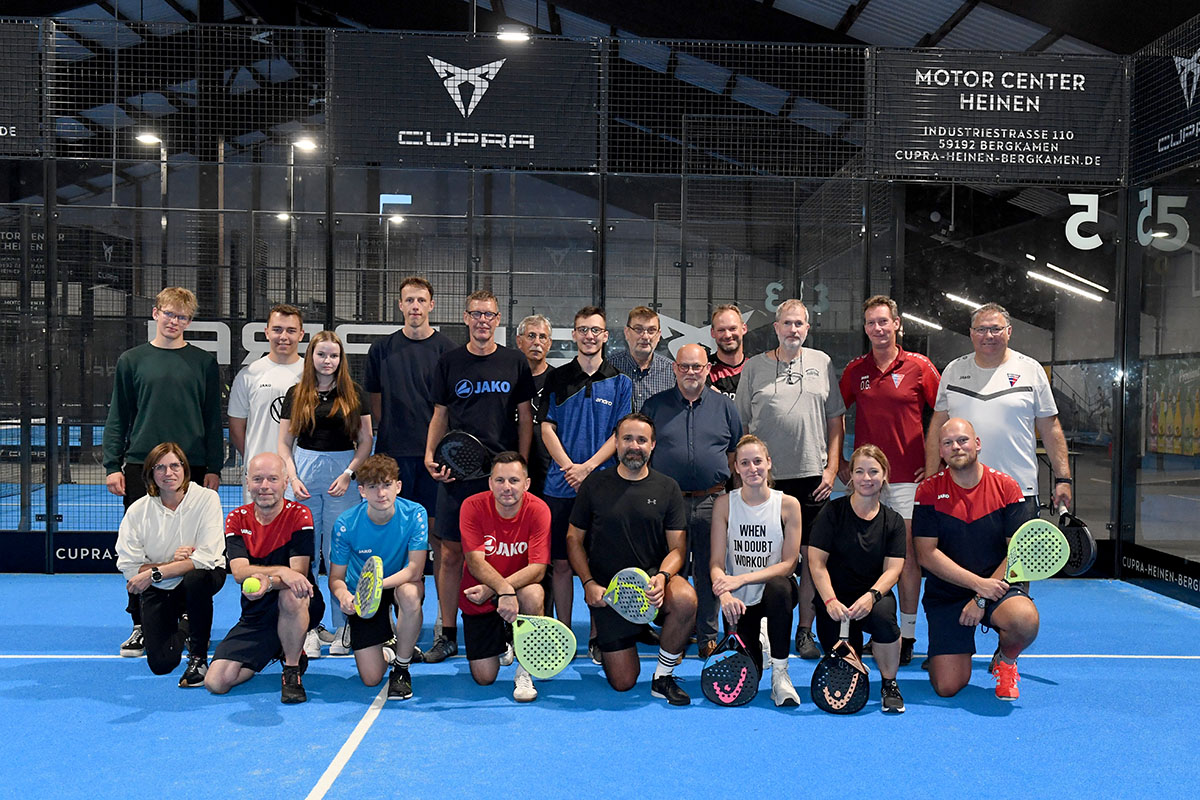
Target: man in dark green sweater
{"x": 165, "y": 390}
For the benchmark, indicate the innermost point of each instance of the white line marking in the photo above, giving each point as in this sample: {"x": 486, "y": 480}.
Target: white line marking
{"x": 1184, "y": 497}
{"x": 356, "y": 736}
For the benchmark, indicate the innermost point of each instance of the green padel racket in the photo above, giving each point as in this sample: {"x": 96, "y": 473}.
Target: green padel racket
{"x": 370, "y": 588}
{"x": 1037, "y": 550}
{"x": 626, "y": 595}
{"x": 543, "y": 645}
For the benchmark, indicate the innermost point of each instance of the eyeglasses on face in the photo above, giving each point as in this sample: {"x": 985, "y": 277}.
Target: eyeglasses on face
{"x": 487, "y": 316}
{"x": 690, "y": 367}
{"x": 642, "y": 330}
{"x": 171, "y": 316}
{"x": 594, "y": 330}
{"x": 175, "y": 466}
{"x": 990, "y": 330}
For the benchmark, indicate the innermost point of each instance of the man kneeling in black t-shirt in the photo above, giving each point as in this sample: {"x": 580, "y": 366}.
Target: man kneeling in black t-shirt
{"x": 632, "y": 516}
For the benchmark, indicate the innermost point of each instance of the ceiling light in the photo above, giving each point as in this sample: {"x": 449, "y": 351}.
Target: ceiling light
{"x": 148, "y": 138}
{"x": 512, "y": 33}
{"x": 1066, "y": 287}
{"x": 307, "y": 144}
{"x": 396, "y": 219}
{"x": 920, "y": 321}
{"x": 971, "y": 304}
{"x": 283, "y": 216}
{"x": 1075, "y": 277}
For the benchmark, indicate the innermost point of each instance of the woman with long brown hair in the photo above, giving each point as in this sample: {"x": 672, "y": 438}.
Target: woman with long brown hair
{"x": 324, "y": 434}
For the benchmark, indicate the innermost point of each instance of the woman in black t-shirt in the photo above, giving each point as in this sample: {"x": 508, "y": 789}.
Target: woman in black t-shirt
{"x": 856, "y": 554}
{"x": 324, "y": 434}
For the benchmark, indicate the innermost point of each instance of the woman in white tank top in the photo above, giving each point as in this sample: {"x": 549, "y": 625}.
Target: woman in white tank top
{"x": 755, "y": 544}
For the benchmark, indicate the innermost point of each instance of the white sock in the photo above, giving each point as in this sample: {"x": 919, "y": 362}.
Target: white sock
{"x": 908, "y": 625}
{"x": 779, "y": 666}
{"x": 667, "y": 663}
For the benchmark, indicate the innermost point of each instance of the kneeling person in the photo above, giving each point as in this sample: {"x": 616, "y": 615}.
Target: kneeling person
{"x": 506, "y": 544}
{"x": 270, "y": 540}
{"x": 962, "y": 521}
{"x": 396, "y": 530}
{"x": 633, "y": 516}
{"x": 172, "y": 553}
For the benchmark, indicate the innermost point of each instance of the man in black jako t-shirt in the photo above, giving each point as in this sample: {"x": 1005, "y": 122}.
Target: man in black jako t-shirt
{"x": 483, "y": 389}
{"x": 633, "y": 516}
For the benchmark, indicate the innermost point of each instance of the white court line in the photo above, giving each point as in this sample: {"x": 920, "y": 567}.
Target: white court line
{"x": 356, "y": 736}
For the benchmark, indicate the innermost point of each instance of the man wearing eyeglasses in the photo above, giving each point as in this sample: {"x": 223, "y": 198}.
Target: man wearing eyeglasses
{"x": 649, "y": 370}
{"x": 1006, "y": 396}
{"x": 534, "y": 336}
{"x": 697, "y": 433}
{"x": 789, "y": 398}
{"x": 584, "y": 401}
{"x": 165, "y": 390}
{"x": 483, "y": 389}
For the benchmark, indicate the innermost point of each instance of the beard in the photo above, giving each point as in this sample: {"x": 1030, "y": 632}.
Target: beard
{"x": 633, "y": 460}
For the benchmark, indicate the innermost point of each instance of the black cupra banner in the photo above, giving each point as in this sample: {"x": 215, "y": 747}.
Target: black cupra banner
{"x": 1165, "y": 124}
{"x": 438, "y": 101}
{"x": 20, "y": 90}
{"x": 998, "y": 117}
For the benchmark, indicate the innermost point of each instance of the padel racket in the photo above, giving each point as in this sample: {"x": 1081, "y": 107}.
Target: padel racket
{"x": 730, "y": 677}
{"x": 465, "y": 456}
{"x": 626, "y": 595}
{"x": 1081, "y": 543}
{"x": 370, "y": 588}
{"x": 841, "y": 682}
{"x": 543, "y": 645}
{"x": 1036, "y": 551}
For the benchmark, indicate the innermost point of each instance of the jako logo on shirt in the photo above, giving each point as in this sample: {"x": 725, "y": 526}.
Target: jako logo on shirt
{"x": 466, "y": 388}
{"x": 493, "y": 548}
{"x": 943, "y": 497}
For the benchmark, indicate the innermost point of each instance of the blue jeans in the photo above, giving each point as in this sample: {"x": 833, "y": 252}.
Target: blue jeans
{"x": 318, "y": 470}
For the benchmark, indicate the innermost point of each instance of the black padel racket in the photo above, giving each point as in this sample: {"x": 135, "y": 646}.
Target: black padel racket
{"x": 840, "y": 683}
{"x": 465, "y": 456}
{"x": 730, "y": 677}
{"x": 1081, "y": 543}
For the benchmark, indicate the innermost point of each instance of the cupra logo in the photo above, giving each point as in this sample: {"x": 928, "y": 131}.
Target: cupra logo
{"x": 466, "y": 87}
{"x": 1189, "y": 76}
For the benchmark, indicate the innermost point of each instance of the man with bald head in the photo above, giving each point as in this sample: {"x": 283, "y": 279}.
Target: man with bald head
{"x": 271, "y": 540}
{"x": 962, "y": 520}
{"x": 697, "y": 432}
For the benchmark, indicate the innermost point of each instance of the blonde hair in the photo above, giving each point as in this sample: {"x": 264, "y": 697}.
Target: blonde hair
{"x": 870, "y": 451}
{"x": 177, "y": 297}
{"x": 751, "y": 439}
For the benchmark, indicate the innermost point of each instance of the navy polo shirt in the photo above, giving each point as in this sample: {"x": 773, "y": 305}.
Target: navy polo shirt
{"x": 693, "y": 440}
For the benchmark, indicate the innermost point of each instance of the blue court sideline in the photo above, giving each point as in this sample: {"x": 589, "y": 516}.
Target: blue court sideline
{"x": 1107, "y": 708}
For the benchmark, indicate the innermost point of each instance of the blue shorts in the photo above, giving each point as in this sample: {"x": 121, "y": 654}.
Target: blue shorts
{"x": 946, "y": 635}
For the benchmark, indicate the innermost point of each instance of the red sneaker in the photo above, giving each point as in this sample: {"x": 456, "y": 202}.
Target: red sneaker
{"x": 1006, "y": 680}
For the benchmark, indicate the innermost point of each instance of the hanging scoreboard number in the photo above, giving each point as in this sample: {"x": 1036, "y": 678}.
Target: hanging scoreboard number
{"x": 1160, "y": 224}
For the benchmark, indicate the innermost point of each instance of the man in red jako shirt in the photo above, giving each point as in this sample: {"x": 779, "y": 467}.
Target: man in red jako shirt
{"x": 506, "y": 547}
{"x": 892, "y": 388}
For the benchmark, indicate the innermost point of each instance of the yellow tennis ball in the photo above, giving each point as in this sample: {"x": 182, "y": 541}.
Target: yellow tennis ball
{"x": 251, "y": 585}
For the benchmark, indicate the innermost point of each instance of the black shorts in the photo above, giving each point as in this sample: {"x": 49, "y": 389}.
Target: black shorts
{"x": 880, "y": 623}
{"x": 417, "y": 484}
{"x": 254, "y": 640}
{"x": 560, "y": 519}
{"x": 449, "y": 500}
{"x": 485, "y": 635}
{"x": 372, "y": 632}
{"x": 802, "y": 489}
{"x": 614, "y": 632}
{"x": 946, "y": 636}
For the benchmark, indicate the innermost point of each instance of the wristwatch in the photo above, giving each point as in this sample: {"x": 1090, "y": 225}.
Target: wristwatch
{"x": 875, "y": 595}
{"x": 156, "y": 575}
{"x": 979, "y": 601}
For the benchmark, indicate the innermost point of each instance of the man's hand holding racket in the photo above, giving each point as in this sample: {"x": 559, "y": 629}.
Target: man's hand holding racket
{"x": 837, "y": 610}
{"x": 593, "y": 593}
{"x": 992, "y": 588}
{"x": 657, "y": 592}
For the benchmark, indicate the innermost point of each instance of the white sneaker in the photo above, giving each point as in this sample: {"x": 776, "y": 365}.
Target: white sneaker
{"x": 507, "y": 656}
{"x": 523, "y": 689}
{"x": 341, "y": 642}
{"x": 389, "y": 655}
{"x": 325, "y": 635}
{"x": 765, "y": 641}
{"x": 312, "y": 645}
{"x": 782, "y": 691}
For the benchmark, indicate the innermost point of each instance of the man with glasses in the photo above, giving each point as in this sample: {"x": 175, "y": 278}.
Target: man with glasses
{"x": 1006, "y": 396}
{"x": 788, "y": 397}
{"x": 649, "y": 370}
{"x": 584, "y": 401}
{"x": 697, "y": 432}
{"x": 483, "y": 389}
{"x": 891, "y": 388}
{"x": 533, "y": 339}
{"x": 165, "y": 390}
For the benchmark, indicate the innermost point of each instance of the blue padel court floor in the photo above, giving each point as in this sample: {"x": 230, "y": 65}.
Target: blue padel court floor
{"x": 1108, "y": 708}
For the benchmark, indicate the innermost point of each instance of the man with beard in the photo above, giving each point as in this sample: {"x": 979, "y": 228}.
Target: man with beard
{"x": 725, "y": 365}
{"x": 633, "y": 516}
{"x": 962, "y": 521}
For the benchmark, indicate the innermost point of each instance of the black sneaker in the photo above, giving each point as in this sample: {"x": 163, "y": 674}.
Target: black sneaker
{"x": 293, "y": 688}
{"x": 193, "y": 675}
{"x": 442, "y": 649}
{"x": 648, "y": 636}
{"x": 806, "y": 648}
{"x": 668, "y": 688}
{"x": 134, "y": 646}
{"x": 418, "y": 656}
{"x": 889, "y": 693}
{"x": 906, "y": 648}
{"x": 399, "y": 684}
